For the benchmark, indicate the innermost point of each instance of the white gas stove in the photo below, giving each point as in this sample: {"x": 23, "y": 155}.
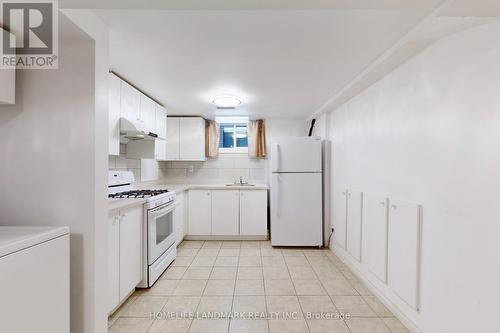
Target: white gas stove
{"x": 158, "y": 231}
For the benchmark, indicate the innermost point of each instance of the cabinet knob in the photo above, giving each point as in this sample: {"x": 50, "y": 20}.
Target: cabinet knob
{"x": 394, "y": 206}
{"x": 208, "y": 193}
{"x": 382, "y": 203}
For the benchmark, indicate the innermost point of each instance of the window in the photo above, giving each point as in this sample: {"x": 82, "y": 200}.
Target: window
{"x": 233, "y": 134}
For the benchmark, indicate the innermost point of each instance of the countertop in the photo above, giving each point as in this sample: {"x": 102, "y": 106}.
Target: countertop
{"x": 13, "y": 239}
{"x": 114, "y": 204}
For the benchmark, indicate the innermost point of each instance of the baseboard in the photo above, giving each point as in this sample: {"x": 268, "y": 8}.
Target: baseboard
{"x": 223, "y": 238}
{"x": 348, "y": 261}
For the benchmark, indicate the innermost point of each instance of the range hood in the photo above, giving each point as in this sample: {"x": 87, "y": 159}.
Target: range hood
{"x": 135, "y": 130}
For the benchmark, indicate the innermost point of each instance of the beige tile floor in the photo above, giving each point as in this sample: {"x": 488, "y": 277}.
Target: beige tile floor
{"x": 215, "y": 277}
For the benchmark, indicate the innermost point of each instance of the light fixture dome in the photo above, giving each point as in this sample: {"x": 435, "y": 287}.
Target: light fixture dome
{"x": 226, "y": 101}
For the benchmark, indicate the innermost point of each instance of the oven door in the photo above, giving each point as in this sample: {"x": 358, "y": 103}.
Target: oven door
{"x": 161, "y": 234}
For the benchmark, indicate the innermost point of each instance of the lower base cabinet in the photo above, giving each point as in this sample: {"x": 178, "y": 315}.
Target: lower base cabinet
{"x": 200, "y": 212}
{"x": 253, "y": 212}
{"x": 227, "y": 213}
{"x": 125, "y": 254}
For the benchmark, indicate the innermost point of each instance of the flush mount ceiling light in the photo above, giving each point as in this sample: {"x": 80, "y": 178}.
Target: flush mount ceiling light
{"x": 226, "y": 102}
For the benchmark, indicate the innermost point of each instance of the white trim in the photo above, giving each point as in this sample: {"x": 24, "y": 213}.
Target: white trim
{"x": 235, "y": 150}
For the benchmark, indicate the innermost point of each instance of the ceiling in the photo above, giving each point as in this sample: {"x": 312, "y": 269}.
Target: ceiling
{"x": 282, "y": 63}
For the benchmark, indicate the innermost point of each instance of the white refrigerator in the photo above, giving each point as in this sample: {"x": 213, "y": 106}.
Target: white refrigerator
{"x": 296, "y": 192}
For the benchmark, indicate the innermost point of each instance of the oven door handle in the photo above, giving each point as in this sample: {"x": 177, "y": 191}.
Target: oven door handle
{"x": 162, "y": 210}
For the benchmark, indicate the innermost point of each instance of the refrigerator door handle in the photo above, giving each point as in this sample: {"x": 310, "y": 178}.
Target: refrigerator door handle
{"x": 276, "y": 157}
{"x": 278, "y": 177}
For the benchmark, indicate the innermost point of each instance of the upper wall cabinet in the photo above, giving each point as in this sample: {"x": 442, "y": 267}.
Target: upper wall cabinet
{"x": 7, "y": 83}
{"x": 131, "y": 110}
{"x": 130, "y": 103}
{"x": 147, "y": 115}
{"x": 186, "y": 139}
{"x": 161, "y": 131}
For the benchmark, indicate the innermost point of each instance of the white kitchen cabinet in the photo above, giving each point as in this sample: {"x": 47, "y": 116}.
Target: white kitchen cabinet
{"x": 130, "y": 103}
{"x": 340, "y": 217}
{"x": 173, "y": 137}
{"x": 192, "y": 139}
{"x": 7, "y": 79}
{"x": 225, "y": 212}
{"x": 161, "y": 121}
{"x": 404, "y": 251}
{"x": 354, "y": 213}
{"x": 131, "y": 251}
{"x": 34, "y": 279}
{"x": 161, "y": 130}
{"x": 148, "y": 114}
{"x": 180, "y": 216}
{"x": 253, "y": 212}
{"x": 375, "y": 235}
{"x": 186, "y": 139}
{"x": 200, "y": 212}
{"x": 113, "y": 261}
{"x": 114, "y": 107}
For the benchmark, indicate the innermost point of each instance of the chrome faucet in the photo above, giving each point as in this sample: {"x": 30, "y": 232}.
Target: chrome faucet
{"x": 241, "y": 182}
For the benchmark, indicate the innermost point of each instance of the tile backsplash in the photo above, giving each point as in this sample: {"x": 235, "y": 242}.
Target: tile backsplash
{"x": 225, "y": 168}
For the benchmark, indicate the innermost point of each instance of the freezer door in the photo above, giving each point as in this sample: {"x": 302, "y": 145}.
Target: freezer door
{"x": 296, "y": 154}
{"x": 296, "y": 209}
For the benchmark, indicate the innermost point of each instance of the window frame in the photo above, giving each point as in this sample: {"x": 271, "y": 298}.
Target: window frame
{"x": 235, "y": 121}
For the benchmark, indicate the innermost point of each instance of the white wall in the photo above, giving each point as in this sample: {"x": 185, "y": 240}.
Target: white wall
{"x": 429, "y": 133}
{"x": 52, "y": 167}
{"x": 98, "y": 32}
{"x": 46, "y": 141}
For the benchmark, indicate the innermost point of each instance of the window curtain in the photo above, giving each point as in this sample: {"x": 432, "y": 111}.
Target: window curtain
{"x": 211, "y": 138}
{"x": 256, "y": 139}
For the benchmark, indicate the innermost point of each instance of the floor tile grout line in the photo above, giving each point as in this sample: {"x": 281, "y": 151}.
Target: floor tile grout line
{"x": 234, "y": 289}
{"x": 197, "y": 306}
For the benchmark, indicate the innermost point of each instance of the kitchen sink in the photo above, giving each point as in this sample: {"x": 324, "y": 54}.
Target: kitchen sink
{"x": 237, "y": 184}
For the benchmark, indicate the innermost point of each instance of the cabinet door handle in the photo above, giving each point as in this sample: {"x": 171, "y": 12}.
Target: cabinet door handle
{"x": 382, "y": 203}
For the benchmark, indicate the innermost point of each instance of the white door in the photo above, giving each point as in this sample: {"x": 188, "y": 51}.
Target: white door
{"x": 173, "y": 136}
{"x": 253, "y": 212}
{"x": 339, "y": 215}
{"x": 375, "y": 235}
{"x": 296, "y": 154}
{"x": 354, "y": 213}
{"x": 113, "y": 261}
{"x": 225, "y": 212}
{"x": 131, "y": 250}
{"x": 148, "y": 114}
{"x": 114, "y": 114}
{"x": 130, "y": 103}
{"x": 200, "y": 212}
{"x": 296, "y": 209}
{"x": 192, "y": 139}
{"x": 404, "y": 251}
